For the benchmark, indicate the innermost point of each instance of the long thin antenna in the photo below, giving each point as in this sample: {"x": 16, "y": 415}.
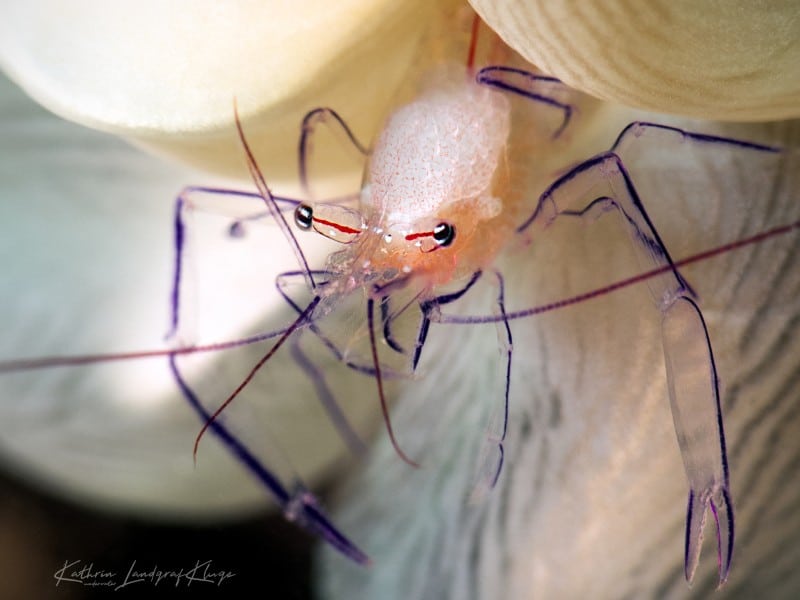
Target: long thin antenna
{"x": 269, "y": 200}
{"x": 473, "y": 44}
{"x": 623, "y": 283}
{"x": 291, "y": 329}
{"x": 379, "y": 379}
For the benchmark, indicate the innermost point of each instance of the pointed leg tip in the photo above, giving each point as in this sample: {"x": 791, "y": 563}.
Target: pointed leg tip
{"x": 364, "y": 560}
{"x": 723, "y": 579}
{"x": 303, "y": 506}
{"x": 351, "y": 551}
{"x": 688, "y": 571}
{"x": 724, "y": 571}
{"x": 695, "y": 520}
{"x": 722, "y": 510}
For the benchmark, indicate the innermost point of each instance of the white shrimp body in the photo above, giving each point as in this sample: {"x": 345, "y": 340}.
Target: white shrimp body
{"x": 441, "y": 149}
{"x": 435, "y": 164}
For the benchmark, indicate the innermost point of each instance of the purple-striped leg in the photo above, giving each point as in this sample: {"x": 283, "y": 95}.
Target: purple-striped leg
{"x": 184, "y": 204}
{"x": 297, "y": 503}
{"x": 543, "y": 89}
{"x": 336, "y": 348}
{"x": 492, "y": 453}
{"x": 691, "y": 371}
{"x": 337, "y": 124}
{"x": 430, "y": 308}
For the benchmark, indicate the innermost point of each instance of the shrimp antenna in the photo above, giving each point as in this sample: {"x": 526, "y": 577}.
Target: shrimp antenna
{"x": 473, "y": 44}
{"x": 269, "y": 200}
{"x": 623, "y": 283}
{"x": 379, "y": 378}
{"x": 78, "y": 360}
{"x": 289, "y": 331}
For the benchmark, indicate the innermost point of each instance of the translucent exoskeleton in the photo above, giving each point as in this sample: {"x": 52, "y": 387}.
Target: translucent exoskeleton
{"x": 440, "y": 203}
{"x": 640, "y": 175}
{"x": 436, "y": 207}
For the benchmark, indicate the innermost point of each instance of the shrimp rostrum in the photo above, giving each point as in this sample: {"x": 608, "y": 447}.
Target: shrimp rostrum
{"x": 439, "y": 203}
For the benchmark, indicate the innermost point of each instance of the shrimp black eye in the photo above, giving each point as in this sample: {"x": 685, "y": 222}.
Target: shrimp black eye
{"x": 444, "y": 234}
{"x": 303, "y": 216}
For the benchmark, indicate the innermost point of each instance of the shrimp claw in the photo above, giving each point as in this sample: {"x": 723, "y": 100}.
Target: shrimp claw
{"x": 697, "y": 416}
{"x": 601, "y": 184}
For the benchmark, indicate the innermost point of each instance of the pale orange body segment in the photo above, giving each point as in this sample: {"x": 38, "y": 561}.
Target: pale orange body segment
{"x": 438, "y": 161}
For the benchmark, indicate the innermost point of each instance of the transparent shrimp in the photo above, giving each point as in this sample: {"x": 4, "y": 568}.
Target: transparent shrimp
{"x": 433, "y": 188}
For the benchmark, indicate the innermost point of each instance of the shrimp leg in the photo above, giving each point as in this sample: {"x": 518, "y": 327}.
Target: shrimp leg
{"x": 295, "y": 500}
{"x": 691, "y": 372}
{"x": 185, "y": 203}
{"x": 299, "y": 504}
{"x": 537, "y": 88}
{"x": 315, "y": 374}
{"x": 307, "y": 129}
{"x": 282, "y": 282}
{"x": 430, "y": 309}
{"x": 492, "y": 455}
